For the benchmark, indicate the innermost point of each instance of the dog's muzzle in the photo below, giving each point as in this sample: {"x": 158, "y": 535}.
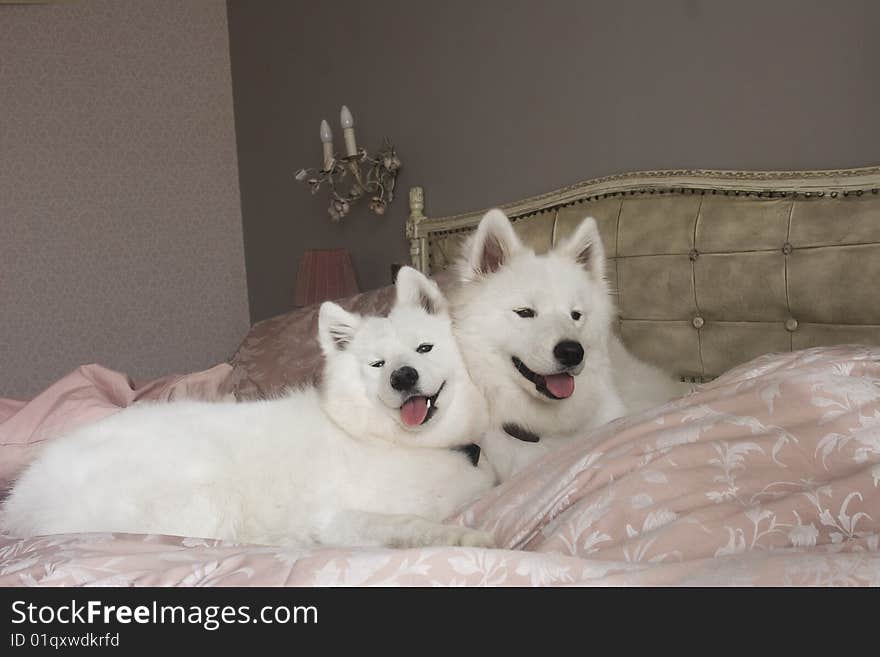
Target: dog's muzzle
{"x": 552, "y": 386}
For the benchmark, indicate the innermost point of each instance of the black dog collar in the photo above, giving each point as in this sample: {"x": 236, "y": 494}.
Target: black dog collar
{"x": 472, "y": 451}
{"x": 515, "y": 431}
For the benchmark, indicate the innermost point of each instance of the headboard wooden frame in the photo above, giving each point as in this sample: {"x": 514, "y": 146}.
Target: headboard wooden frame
{"x": 704, "y": 280}
{"x": 420, "y": 229}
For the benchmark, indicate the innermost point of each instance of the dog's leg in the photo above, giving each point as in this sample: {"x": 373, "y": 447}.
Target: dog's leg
{"x": 363, "y": 528}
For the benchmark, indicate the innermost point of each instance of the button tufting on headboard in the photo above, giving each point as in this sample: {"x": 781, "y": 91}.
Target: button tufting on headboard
{"x": 756, "y": 262}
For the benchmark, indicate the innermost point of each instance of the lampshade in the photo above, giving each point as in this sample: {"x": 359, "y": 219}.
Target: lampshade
{"x": 324, "y": 275}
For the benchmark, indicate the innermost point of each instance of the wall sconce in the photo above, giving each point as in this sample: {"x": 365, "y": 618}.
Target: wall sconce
{"x": 370, "y": 176}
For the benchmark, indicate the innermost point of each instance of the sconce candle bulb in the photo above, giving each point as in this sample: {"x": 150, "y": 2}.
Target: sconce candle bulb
{"x": 345, "y": 117}
{"x": 326, "y": 133}
{"x": 347, "y": 121}
{"x": 327, "y": 141}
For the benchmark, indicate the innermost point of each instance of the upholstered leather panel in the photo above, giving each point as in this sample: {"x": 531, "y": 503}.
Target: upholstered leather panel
{"x": 657, "y": 224}
{"x": 707, "y": 279}
{"x": 726, "y": 344}
{"x": 673, "y": 346}
{"x": 821, "y": 335}
{"x": 746, "y": 286}
{"x": 835, "y": 284}
{"x": 841, "y": 220}
{"x": 655, "y": 287}
{"x": 737, "y": 224}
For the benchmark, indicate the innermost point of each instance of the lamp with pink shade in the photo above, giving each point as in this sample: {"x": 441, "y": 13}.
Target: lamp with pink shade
{"x": 324, "y": 275}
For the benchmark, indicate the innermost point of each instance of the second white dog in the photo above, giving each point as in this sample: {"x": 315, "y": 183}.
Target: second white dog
{"x": 535, "y": 332}
{"x": 365, "y": 460}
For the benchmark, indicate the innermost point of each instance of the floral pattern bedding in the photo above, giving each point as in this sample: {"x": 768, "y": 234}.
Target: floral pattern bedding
{"x": 769, "y": 475}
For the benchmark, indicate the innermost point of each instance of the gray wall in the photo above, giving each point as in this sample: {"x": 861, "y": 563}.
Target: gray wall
{"x": 120, "y": 223}
{"x": 492, "y": 101}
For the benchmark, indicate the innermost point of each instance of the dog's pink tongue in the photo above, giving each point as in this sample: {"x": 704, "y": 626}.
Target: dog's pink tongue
{"x": 413, "y": 412}
{"x": 561, "y": 385}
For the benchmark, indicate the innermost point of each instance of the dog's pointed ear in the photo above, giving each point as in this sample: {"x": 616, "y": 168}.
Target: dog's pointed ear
{"x": 494, "y": 243}
{"x": 585, "y": 247}
{"x": 416, "y": 289}
{"x": 336, "y": 327}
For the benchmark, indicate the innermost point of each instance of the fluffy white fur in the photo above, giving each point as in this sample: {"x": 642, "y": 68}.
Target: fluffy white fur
{"x": 331, "y": 466}
{"x": 499, "y": 276}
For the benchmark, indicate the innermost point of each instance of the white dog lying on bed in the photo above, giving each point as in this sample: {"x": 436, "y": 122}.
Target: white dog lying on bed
{"x": 535, "y": 332}
{"x": 365, "y": 460}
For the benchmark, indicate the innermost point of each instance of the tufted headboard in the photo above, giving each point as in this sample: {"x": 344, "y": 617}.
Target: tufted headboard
{"x": 711, "y": 268}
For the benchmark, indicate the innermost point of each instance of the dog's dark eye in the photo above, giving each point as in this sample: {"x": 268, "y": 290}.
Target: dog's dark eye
{"x": 524, "y": 312}
{"x": 575, "y": 315}
{"x": 424, "y": 348}
{"x": 378, "y": 363}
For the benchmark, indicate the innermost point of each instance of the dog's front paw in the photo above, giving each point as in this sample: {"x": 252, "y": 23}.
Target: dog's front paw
{"x": 437, "y": 534}
{"x": 466, "y": 537}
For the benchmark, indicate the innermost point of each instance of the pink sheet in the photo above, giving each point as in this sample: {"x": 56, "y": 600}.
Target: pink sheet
{"x": 769, "y": 475}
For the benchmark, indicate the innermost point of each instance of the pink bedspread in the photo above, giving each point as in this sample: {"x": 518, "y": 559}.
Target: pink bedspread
{"x": 769, "y": 475}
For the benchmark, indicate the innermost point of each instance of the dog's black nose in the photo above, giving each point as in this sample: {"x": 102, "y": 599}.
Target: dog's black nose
{"x": 404, "y": 378}
{"x": 569, "y": 353}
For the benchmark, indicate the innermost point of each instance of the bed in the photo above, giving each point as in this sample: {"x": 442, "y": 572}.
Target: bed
{"x": 758, "y": 287}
